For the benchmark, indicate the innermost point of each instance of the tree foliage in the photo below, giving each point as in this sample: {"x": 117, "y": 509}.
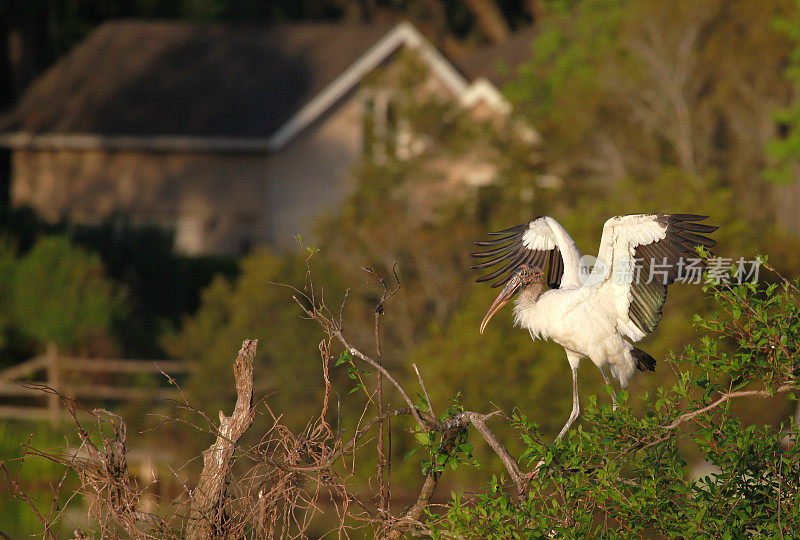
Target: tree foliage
{"x": 785, "y": 148}
{"x": 626, "y": 89}
{"x": 60, "y": 294}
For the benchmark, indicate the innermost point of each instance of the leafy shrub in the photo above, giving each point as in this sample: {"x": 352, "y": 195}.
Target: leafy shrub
{"x": 61, "y": 294}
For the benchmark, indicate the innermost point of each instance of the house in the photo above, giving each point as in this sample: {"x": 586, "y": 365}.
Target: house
{"x": 227, "y": 135}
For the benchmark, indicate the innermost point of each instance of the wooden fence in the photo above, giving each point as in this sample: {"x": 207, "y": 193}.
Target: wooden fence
{"x": 63, "y": 374}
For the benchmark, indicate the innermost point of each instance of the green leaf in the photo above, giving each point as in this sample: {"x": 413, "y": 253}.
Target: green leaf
{"x": 411, "y": 452}
{"x": 355, "y": 389}
{"x": 425, "y": 438}
{"x": 344, "y": 357}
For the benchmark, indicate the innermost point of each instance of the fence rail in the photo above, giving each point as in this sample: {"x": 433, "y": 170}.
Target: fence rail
{"x": 63, "y": 372}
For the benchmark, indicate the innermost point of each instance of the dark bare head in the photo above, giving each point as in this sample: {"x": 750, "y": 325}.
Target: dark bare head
{"x": 524, "y": 277}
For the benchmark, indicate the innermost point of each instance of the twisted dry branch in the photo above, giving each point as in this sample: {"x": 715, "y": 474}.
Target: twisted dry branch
{"x": 207, "y": 510}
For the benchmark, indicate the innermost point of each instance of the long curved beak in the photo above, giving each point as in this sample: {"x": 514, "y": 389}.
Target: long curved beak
{"x": 502, "y": 299}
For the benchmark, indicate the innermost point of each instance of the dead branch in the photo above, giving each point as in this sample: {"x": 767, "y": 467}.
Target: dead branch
{"x": 352, "y": 443}
{"x": 106, "y": 482}
{"x": 479, "y": 422}
{"x": 207, "y": 512}
{"x": 424, "y": 423}
{"x": 427, "y": 422}
{"x": 289, "y": 478}
{"x": 783, "y": 389}
{"x": 415, "y": 511}
{"x": 450, "y": 430}
{"x": 384, "y": 479}
{"x": 424, "y": 390}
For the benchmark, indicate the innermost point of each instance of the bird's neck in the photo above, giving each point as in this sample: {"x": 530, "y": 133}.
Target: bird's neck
{"x": 527, "y": 312}
{"x": 531, "y": 293}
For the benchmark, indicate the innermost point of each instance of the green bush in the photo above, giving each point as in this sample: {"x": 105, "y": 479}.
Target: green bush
{"x": 61, "y": 295}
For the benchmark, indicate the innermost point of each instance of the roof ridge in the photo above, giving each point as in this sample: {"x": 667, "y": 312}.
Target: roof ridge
{"x": 237, "y": 25}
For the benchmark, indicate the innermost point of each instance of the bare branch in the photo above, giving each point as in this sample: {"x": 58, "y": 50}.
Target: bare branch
{"x": 207, "y": 498}
{"x": 725, "y": 397}
{"x": 423, "y": 424}
{"x": 416, "y": 509}
{"x": 341, "y": 308}
{"x": 382, "y": 465}
{"x": 424, "y": 389}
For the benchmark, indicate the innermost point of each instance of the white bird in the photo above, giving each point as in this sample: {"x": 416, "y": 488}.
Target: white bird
{"x": 594, "y": 315}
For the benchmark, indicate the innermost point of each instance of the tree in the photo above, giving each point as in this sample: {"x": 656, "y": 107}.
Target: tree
{"x": 61, "y": 295}
{"x": 630, "y": 88}
{"x": 785, "y": 149}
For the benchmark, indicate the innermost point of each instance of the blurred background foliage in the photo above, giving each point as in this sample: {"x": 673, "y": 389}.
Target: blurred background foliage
{"x": 60, "y": 294}
{"x": 642, "y": 106}
{"x": 138, "y": 287}
{"x": 55, "y": 294}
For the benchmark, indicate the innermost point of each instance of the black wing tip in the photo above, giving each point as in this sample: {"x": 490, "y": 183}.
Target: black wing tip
{"x": 486, "y": 243}
{"x": 514, "y": 229}
{"x": 498, "y": 283}
{"x": 691, "y": 232}
{"x": 501, "y": 250}
{"x": 644, "y": 362}
{"x": 686, "y": 217}
{"x": 508, "y": 253}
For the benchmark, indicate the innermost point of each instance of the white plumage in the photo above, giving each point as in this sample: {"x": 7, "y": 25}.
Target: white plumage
{"x": 597, "y": 314}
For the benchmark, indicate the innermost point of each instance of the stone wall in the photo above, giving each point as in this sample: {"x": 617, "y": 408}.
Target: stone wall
{"x": 213, "y": 202}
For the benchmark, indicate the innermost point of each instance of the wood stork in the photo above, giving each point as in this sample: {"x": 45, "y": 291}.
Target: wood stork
{"x": 594, "y": 315}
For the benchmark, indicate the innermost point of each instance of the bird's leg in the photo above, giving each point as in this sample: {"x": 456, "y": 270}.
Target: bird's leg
{"x": 614, "y": 405}
{"x": 576, "y": 408}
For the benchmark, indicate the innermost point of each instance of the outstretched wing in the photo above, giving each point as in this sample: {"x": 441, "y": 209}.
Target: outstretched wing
{"x": 533, "y": 243}
{"x": 641, "y": 255}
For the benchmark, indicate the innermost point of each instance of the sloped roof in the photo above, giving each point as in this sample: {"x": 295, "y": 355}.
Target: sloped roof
{"x": 187, "y": 86}
{"x": 164, "y": 78}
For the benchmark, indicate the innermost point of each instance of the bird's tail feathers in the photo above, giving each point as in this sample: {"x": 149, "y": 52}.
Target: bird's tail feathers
{"x": 644, "y": 361}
